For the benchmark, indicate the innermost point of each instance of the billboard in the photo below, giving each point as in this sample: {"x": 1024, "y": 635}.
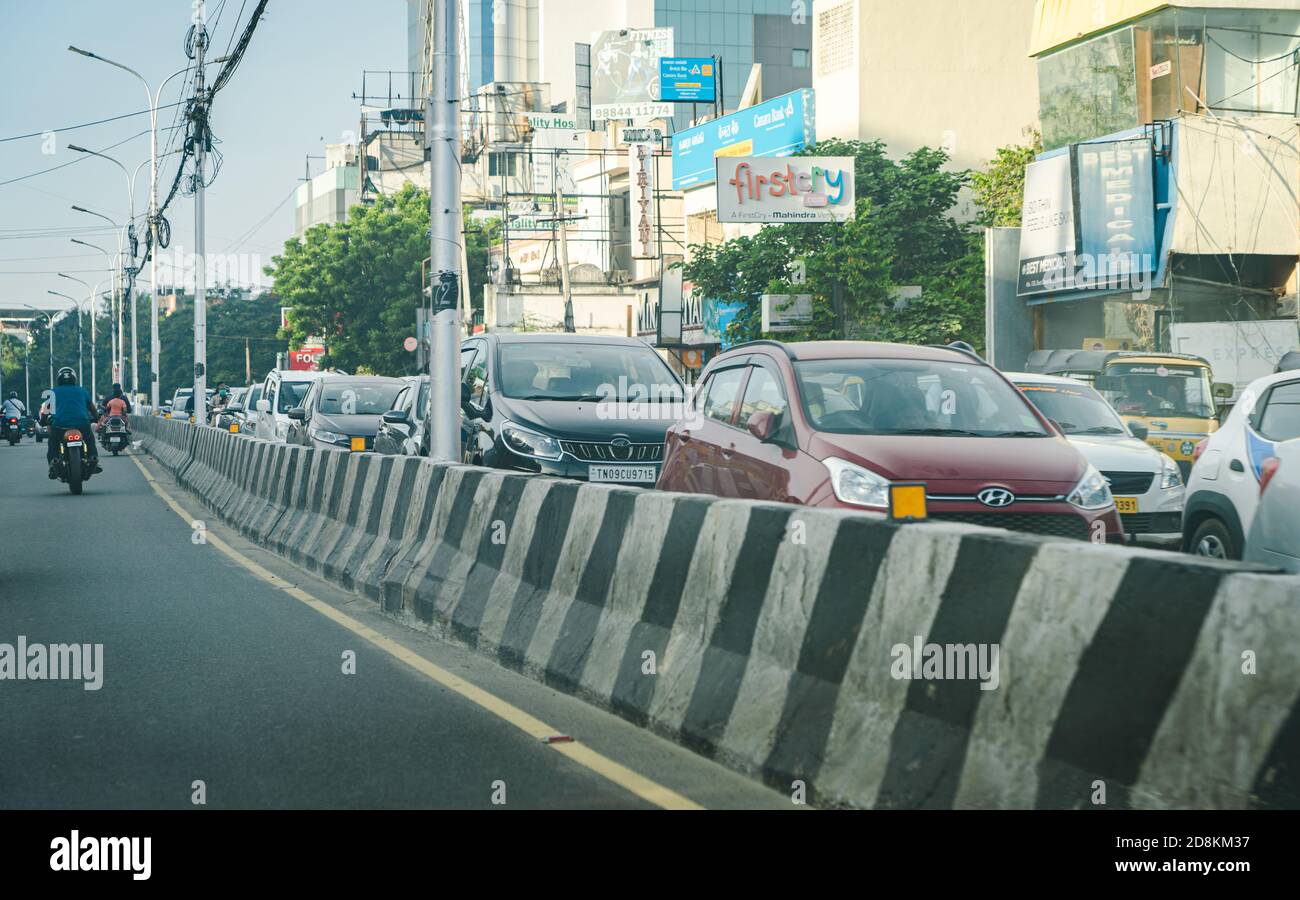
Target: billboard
{"x": 785, "y": 189}
{"x": 1089, "y": 219}
{"x": 779, "y": 127}
{"x": 306, "y": 359}
{"x": 625, "y": 73}
{"x": 641, "y": 200}
{"x": 687, "y": 79}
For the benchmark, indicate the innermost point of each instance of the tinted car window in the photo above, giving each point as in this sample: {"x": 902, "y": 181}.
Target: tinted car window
{"x": 1281, "y": 418}
{"x": 292, "y": 394}
{"x": 909, "y": 396}
{"x": 762, "y": 394}
{"x": 356, "y": 398}
{"x": 476, "y": 378}
{"x": 720, "y": 394}
{"x": 568, "y": 371}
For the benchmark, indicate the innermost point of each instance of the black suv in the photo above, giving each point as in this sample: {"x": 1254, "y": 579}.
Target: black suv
{"x": 592, "y": 408}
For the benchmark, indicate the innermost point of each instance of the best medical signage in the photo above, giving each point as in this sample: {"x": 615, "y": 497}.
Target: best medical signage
{"x": 1088, "y": 220}
{"x": 785, "y": 189}
{"x": 779, "y": 127}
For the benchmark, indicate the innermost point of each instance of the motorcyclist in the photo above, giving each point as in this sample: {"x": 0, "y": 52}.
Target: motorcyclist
{"x": 13, "y": 408}
{"x": 117, "y": 404}
{"x": 71, "y": 407}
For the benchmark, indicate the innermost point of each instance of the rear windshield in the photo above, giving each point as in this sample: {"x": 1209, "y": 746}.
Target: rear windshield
{"x": 357, "y": 398}
{"x": 907, "y": 396}
{"x": 1148, "y": 389}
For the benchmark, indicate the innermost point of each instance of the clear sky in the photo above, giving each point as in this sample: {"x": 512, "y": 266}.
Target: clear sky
{"x": 292, "y": 94}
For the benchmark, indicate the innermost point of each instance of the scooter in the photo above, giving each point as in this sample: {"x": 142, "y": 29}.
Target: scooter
{"x": 114, "y": 434}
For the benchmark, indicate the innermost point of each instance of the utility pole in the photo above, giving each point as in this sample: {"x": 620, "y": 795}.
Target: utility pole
{"x": 200, "y": 252}
{"x": 563, "y": 218}
{"x": 248, "y": 364}
{"x": 446, "y": 232}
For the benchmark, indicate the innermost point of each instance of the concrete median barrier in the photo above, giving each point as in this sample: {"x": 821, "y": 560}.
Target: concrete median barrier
{"x": 878, "y": 666}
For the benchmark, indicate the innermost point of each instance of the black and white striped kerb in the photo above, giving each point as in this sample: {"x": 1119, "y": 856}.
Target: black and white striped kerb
{"x": 762, "y": 635}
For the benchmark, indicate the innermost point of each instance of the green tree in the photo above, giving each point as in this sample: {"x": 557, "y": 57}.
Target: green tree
{"x": 1000, "y": 188}
{"x": 356, "y": 284}
{"x": 902, "y": 235}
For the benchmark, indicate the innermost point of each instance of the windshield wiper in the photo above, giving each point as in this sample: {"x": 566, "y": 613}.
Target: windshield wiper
{"x": 564, "y": 398}
{"x": 1019, "y": 434}
{"x": 1101, "y": 429}
{"x": 926, "y": 431}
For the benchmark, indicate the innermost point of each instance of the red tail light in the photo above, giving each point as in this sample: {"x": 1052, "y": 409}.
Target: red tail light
{"x": 1267, "y": 471}
{"x": 1199, "y": 449}
{"x": 72, "y": 435}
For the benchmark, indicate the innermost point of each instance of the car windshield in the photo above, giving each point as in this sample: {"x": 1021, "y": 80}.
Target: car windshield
{"x": 572, "y": 371}
{"x": 292, "y": 394}
{"x": 1151, "y": 389}
{"x": 357, "y": 398}
{"x": 253, "y": 396}
{"x": 1076, "y": 408}
{"x": 914, "y": 397}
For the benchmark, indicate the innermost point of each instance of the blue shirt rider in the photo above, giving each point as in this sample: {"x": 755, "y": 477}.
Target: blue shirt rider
{"x": 71, "y": 407}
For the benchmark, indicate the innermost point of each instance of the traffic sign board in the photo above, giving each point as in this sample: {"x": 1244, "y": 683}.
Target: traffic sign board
{"x": 687, "y": 79}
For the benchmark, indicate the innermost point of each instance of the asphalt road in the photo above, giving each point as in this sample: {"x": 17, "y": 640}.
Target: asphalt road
{"x": 213, "y": 674}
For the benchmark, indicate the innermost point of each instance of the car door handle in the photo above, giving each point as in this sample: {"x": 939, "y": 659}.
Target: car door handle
{"x": 729, "y": 451}
{"x": 1236, "y": 466}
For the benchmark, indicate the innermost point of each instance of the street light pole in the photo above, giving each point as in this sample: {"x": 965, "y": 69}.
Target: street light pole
{"x": 200, "y": 243}
{"x": 446, "y": 232}
{"x": 49, "y": 327}
{"x": 117, "y": 363}
{"x": 81, "y": 378}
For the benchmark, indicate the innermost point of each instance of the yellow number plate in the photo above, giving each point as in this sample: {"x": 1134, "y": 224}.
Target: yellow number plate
{"x": 907, "y": 501}
{"x": 358, "y": 445}
{"x": 1126, "y": 504}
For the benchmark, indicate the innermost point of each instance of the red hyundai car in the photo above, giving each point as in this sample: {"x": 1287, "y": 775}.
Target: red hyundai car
{"x": 835, "y": 424}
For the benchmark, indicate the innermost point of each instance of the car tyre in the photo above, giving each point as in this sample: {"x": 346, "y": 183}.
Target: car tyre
{"x": 1213, "y": 540}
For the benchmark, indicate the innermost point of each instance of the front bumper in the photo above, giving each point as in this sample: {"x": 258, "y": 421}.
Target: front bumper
{"x": 564, "y": 467}
{"x": 1048, "y": 519}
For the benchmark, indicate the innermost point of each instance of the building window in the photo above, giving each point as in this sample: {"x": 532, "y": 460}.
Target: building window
{"x": 799, "y": 58}
{"x": 1088, "y": 90}
{"x": 502, "y": 164}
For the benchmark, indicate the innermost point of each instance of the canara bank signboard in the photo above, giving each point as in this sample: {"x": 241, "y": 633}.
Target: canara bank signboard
{"x": 785, "y": 189}
{"x": 779, "y": 127}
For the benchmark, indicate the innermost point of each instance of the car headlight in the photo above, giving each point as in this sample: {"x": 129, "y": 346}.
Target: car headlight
{"x": 1170, "y": 475}
{"x": 1092, "y": 491}
{"x": 527, "y": 442}
{"x": 328, "y": 437}
{"x": 856, "y": 485}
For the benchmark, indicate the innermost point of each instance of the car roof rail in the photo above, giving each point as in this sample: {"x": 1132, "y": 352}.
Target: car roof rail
{"x": 960, "y": 347}
{"x": 765, "y": 342}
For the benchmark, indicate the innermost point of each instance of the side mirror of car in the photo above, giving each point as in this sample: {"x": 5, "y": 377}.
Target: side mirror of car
{"x": 397, "y": 417}
{"x": 235, "y": 408}
{"x": 1138, "y": 430}
{"x": 761, "y": 425}
{"x": 263, "y": 406}
{"x": 298, "y": 414}
{"x": 1223, "y": 391}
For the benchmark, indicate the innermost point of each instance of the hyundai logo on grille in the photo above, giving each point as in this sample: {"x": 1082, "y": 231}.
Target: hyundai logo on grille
{"x": 996, "y": 497}
{"x": 621, "y": 448}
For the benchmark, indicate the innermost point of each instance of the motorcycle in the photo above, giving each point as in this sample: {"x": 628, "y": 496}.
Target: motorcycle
{"x": 71, "y": 463}
{"x": 114, "y": 434}
{"x": 11, "y": 430}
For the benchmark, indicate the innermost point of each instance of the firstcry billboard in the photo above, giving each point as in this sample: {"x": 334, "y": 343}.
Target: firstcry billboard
{"x": 785, "y": 189}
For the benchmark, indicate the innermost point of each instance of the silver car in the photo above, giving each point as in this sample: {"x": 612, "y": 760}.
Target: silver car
{"x": 1274, "y": 538}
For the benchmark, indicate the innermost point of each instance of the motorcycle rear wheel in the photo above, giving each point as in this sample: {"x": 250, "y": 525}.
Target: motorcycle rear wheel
{"x": 74, "y": 469}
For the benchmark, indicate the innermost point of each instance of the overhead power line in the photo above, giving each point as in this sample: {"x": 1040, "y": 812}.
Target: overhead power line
{"x": 143, "y": 112}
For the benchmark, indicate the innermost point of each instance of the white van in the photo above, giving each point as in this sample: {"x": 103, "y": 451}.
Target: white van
{"x": 282, "y": 390}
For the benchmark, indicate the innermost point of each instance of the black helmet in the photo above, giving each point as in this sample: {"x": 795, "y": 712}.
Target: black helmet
{"x": 67, "y": 376}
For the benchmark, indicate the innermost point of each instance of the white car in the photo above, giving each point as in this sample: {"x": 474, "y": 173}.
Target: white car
{"x": 1146, "y": 483}
{"x": 282, "y": 390}
{"x": 1224, "y": 487}
{"x": 1274, "y": 539}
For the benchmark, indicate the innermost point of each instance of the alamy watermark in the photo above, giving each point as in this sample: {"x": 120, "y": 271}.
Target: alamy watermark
{"x": 53, "y": 662}
{"x": 947, "y": 662}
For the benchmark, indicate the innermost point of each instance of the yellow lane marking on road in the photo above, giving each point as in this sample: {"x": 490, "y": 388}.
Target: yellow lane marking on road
{"x": 620, "y": 775}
